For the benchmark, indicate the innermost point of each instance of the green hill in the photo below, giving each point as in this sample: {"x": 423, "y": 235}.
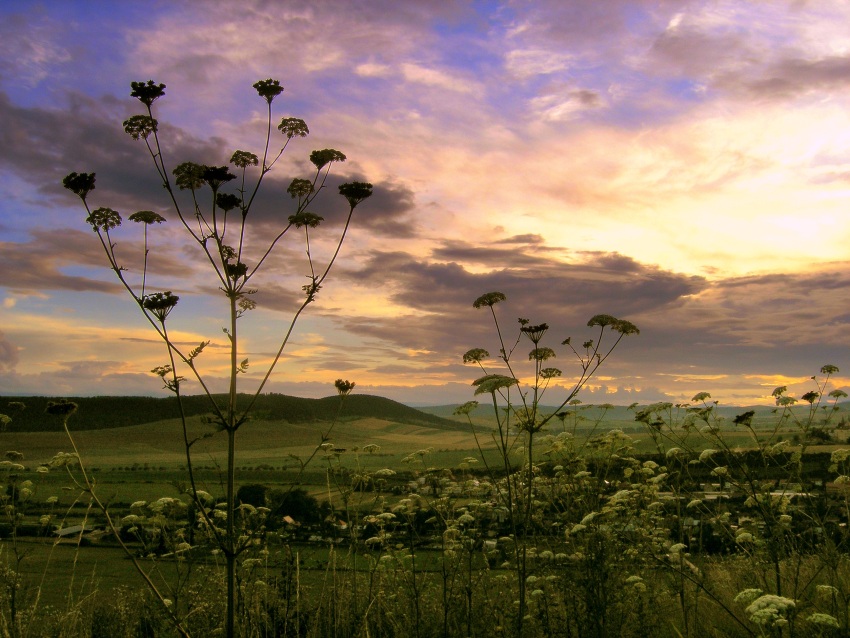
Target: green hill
{"x": 97, "y": 413}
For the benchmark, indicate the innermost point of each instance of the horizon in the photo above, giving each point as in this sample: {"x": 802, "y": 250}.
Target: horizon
{"x": 683, "y": 166}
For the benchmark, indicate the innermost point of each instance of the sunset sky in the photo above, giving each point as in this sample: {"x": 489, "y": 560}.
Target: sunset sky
{"x": 681, "y": 164}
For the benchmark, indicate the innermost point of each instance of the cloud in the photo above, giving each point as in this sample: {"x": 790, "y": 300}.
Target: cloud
{"x": 9, "y": 356}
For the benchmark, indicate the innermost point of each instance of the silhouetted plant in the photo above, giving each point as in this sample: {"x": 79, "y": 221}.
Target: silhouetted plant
{"x": 216, "y": 220}
{"x": 519, "y": 417}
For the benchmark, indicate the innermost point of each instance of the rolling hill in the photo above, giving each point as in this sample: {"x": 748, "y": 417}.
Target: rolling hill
{"x": 96, "y": 413}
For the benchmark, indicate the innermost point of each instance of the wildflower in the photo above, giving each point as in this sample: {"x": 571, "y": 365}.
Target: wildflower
{"x": 302, "y": 219}
{"x": 79, "y": 183}
{"x": 227, "y": 201}
{"x": 707, "y": 454}
{"x": 770, "y": 610}
{"x": 825, "y": 620}
{"x": 492, "y": 383}
{"x": 293, "y": 127}
{"x": 476, "y": 355}
{"x": 550, "y": 373}
{"x": 829, "y": 369}
{"x": 140, "y": 126}
{"x": 618, "y": 325}
{"x": 147, "y": 217}
{"x": 694, "y": 503}
{"x": 147, "y": 93}
{"x": 326, "y": 156}
{"x": 104, "y": 219}
{"x": 243, "y": 159}
{"x": 745, "y": 419}
{"x": 215, "y": 176}
{"x": 535, "y": 333}
{"x": 811, "y": 396}
{"x": 384, "y": 473}
{"x": 466, "y": 408}
{"x": 300, "y": 188}
{"x": 355, "y": 192}
{"x": 268, "y": 89}
{"x": 489, "y": 299}
{"x": 700, "y": 396}
{"x": 541, "y": 354}
{"x": 189, "y": 176}
{"x": 62, "y": 407}
{"x": 160, "y": 304}
{"x": 344, "y": 388}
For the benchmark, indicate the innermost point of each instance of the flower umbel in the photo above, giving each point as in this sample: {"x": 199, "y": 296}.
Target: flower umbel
{"x": 344, "y": 388}
{"x": 147, "y": 93}
{"x": 326, "y": 156}
{"x": 146, "y": 217}
{"x": 104, "y": 219}
{"x": 140, "y": 126}
{"x": 268, "y": 89}
{"x": 355, "y": 192}
{"x": 79, "y": 183}
{"x": 160, "y": 304}
{"x": 293, "y": 127}
{"x": 488, "y": 299}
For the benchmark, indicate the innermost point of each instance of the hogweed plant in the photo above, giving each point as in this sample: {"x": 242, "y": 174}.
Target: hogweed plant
{"x": 519, "y": 416}
{"x": 215, "y": 204}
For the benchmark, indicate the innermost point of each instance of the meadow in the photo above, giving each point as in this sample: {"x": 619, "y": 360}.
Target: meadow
{"x": 628, "y": 529}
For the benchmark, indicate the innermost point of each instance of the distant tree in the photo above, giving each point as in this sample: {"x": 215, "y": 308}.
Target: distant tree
{"x": 252, "y": 494}
{"x": 296, "y": 503}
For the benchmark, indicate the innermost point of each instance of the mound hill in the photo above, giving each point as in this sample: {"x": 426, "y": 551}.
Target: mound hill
{"x": 97, "y": 413}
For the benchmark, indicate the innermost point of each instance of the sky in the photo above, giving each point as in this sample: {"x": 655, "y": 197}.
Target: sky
{"x": 683, "y": 165}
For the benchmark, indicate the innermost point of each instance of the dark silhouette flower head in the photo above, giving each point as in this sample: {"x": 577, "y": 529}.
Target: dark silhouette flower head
{"x": 268, "y": 89}
{"x": 215, "y": 176}
{"x": 305, "y": 219}
{"x": 355, "y": 192}
{"x": 63, "y": 407}
{"x": 326, "y": 156}
{"x": 535, "y": 333}
{"x": 541, "y": 354}
{"x": 466, "y": 408}
{"x": 189, "y": 176}
{"x": 476, "y": 355}
{"x": 160, "y": 304}
{"x": 235, "y": 271}
{"x": 300, "y": 188}
{"x": 227, "y": 201}
{"x": 344, "y": 388}
{"x": 829, "y": 369}
{"x": 617, "y": 325}
{"x": 293, "y": 127}
{"x": 550, "y": 373}
{"x": 104, "y": 219}
{"x": 700, "y": 396}
{"x": 745, "y": 418}
{"x": 811, "y": 396}
{"x": 492, "y": 383}
{"x": 489, "y": 299}
{"x": 243, "y": 159}
{"x": 79, "y": 183}
{"x": 140, "y": 126}
{"x": 147, "y": 92}
{"x": 146, "y": 217}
